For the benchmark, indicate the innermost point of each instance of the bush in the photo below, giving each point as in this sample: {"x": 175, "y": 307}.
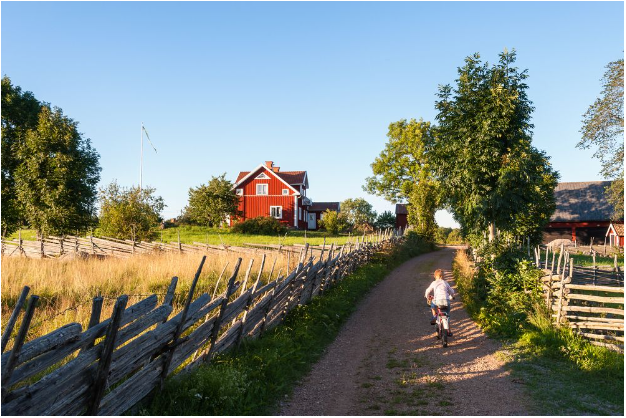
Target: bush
{"x": 333, "y": 222}
{"x": 262, "y": 225}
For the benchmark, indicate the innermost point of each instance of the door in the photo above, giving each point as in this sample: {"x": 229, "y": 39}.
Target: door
{"x": 312, "y": 221}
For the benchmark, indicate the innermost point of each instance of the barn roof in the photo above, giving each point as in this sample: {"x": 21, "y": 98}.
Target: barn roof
{"x": 581, "y": 202}
{"x": 322, "y": 206}
{"x": 401, "y": 209}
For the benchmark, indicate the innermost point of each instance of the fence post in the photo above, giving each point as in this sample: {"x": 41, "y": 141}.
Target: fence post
{"x": 249, "y": 302}
{"x": 96, "y": 311}
{"x": 7, "y": 369}
{"x": 179, "y": 328}
{"x": 13, "y": 319}
{"x": 593, "y": 254}
{"x": 561, "y": 293}
{"x": 104, "y": 363}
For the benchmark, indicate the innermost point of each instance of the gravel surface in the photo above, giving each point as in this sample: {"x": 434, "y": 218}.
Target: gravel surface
{"x": 386, "y": 359}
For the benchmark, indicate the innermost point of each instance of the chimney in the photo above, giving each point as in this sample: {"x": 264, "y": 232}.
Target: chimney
{"x": 269, "y": 164}
{"x": 275, "y": 169}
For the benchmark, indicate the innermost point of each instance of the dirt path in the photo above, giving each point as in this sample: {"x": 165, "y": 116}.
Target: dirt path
{"x": 386, "y": 359}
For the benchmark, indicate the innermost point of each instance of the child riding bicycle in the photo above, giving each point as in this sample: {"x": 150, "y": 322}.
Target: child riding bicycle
{"x": 437, "y": 295}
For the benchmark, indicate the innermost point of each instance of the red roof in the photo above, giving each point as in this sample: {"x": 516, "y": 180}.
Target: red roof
{"x": 322, "y": 206}
{"x": 290, "y": 177}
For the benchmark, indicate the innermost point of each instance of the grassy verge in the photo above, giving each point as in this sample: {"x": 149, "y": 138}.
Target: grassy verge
{"x": 562, "y": 373}
{"x": 250, "y": 380}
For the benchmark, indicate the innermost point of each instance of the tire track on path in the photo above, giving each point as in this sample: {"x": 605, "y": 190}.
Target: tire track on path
{"x": 386, "y": 359}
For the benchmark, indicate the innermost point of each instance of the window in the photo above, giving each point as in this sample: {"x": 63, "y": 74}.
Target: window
{"x": 276, "y": 212}
{"x": 300, "y": 213}
{"x": 262, "y": 176}
{"x": 239, "y": 192}
{"x": 261, "y": 188}
{"x": 285, "y": 191}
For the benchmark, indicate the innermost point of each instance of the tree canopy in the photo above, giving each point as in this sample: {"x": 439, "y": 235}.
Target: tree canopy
{"x": 603, "y": 127}
{"x": 358, "y": 212}
{"x": 129, "y": 213}
{"x": 491, "y": 174}
{"x": 49, "y": 171}
{"x": 210, "y": 204}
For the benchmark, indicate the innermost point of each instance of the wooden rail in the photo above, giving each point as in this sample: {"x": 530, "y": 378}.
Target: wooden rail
{"x": 111, "y": 366}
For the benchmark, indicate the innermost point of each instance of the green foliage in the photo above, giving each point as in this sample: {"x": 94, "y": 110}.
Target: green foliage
{"x": 129, "y": 213}
{"x": 445, "y": 235}
{"x": 385, "y": 220}
{"x": 358, "y": 212}
{"x": 262, "y": 225}
{"x": 483, "y": 157}
{"x": 210, "y": 204}
{"x": 603, "y": 127}
{"x": 333, "y": 222}
{"x": 402, "y": 172}
{"x": 251, "y": 379}
{"x": 49, "y": 171}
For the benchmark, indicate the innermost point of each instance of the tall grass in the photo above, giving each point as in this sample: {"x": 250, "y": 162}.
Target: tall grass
{"x": 66, "y": 287}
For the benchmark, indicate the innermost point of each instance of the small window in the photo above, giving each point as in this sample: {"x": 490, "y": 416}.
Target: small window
{"x": 276, "y": 212}
{"x": 239, "y": 192}
{"x": 261, "y": 188}
{"x": 285, "y": 191}
{"x": 262, "y": 176}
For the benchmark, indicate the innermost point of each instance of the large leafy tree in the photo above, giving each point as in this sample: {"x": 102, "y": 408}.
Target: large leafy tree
{"x": 358, "y": 212}
{"x": 385, "y": 220}
{"x": 402, "y": 172}
{"x": 491, "y": 174}
{"x": 129, "y": 213}
{"x": 603, "y": 127}
{"x": 210, "y": 204}
{"x": 49, "y": 171}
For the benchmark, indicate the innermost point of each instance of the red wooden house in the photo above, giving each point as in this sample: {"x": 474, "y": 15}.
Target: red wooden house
{"x": 615, "y": 234}
{"x": 401, "y": 216}
{"x": 267, "y": 191}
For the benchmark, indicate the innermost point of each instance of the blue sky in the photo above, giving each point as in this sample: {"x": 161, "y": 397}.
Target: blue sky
{"x": 222, "y": 87}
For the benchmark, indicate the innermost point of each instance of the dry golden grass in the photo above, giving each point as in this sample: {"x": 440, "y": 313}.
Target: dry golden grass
{"x": 67, "y": 287}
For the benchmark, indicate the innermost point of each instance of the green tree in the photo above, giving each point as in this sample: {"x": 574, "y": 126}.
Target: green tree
{"x": 402, "y": 173}
{"x": 333, "y": 222}
{"x": 385, "y": 220}
{"x": 492, "y": 176}
{"x": 19, "y": 115}
{"x": 129, "y": 213}
{"x": 210, "y": 204}
{"x": 603, "y": 127}
{"x": 358, "y": 212}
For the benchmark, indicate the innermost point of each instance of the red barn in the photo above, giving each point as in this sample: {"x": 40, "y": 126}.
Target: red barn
{"x": 401, "y": 216}
{"x": 267, "y": 191}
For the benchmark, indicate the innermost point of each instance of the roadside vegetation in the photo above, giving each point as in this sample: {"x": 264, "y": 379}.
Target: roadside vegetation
{"x": 562, "y": 371}
{"x": 250, "y": 380}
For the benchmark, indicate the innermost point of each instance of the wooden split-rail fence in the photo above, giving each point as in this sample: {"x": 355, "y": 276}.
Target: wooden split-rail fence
{"x": 594, "y": 311}
{"x": 109, "y": 367}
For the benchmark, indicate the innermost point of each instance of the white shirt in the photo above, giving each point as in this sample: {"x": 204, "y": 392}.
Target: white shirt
{"x": 440, "y": 288}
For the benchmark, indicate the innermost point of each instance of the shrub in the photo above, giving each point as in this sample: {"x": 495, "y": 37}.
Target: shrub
{"x": 262, "y": 225}
{"x": 334, "y": 222}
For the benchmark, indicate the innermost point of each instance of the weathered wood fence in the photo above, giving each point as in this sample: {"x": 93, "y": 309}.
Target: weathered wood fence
{"x": 113, "y": 364}
{"x": 593, "y": 311}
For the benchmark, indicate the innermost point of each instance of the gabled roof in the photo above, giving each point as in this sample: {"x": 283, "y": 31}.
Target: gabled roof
{"x": 401, "y": 209}
{"x": 290, "y": 178}
{"x": 617, "y": 228}
{"x": 322, "y": 206}
{"x": 581, "y": 202}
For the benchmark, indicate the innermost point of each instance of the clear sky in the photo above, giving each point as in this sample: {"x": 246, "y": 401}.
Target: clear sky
{"x": 222, "y": 87}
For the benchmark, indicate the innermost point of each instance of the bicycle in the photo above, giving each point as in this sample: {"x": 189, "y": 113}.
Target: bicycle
{"x": 442, "y": 322}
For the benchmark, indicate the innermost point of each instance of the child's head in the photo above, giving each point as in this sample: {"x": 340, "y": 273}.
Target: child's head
{"x": 438, "y": 274}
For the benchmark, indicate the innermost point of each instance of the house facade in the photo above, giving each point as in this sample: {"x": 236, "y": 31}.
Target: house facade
{"x": 582, "y": 213}
{"x": 316, "y": 212}
{"x": 615, "y": 234}
{"x": 267, "y": 191}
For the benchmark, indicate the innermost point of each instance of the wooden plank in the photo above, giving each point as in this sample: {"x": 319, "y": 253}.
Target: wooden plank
{"x": 236, "y": 307}
{"x": 601, "y": 336}
{"x": 608, "y": 289}
{"x": 615, "y": 347}
{"x": 590, "y": 298}
{"x": 592, "y": 309}
{"x": 46, "y": 343}
{"x": 593, "y": 318}
{"x": 596, "y": 325}
{"x": 195, "y": 341}
{"x": 16, "y": 311}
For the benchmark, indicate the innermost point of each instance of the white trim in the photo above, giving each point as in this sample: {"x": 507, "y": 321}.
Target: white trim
{"x": 285, "y": 192}
{"x": 263, "y": 186}
{"x": 299, "y": 214}
{"x": 270, "y": 171}
{"x": 262, "y": 176}
{"x": 239, "y": 192}
{"x": 295, "y": 211}
{"x": 280, "y": 212}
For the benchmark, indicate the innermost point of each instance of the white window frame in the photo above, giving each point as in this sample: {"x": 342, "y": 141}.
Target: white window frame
{"x": 263, "y": 186}
{"x": 262, "y": 176}
{"x": 285, "y": 192}
{"x": 239, "y": 192}
{"x": 280, "y": 212}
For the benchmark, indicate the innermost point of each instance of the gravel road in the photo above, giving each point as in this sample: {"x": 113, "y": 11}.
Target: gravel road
{"x": 386, "y": 359}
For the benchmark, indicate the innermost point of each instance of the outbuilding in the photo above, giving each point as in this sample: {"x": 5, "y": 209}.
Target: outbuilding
{"x": 615, "y": 234}
{"x": 401, "y": 216}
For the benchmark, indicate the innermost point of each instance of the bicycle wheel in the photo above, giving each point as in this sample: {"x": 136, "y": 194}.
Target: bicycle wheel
{"x": 439, "y": 330}
{"x": 444, "y": 339}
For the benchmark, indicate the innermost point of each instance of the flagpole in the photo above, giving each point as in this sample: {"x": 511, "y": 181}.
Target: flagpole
{"x": 141, "y": 160}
